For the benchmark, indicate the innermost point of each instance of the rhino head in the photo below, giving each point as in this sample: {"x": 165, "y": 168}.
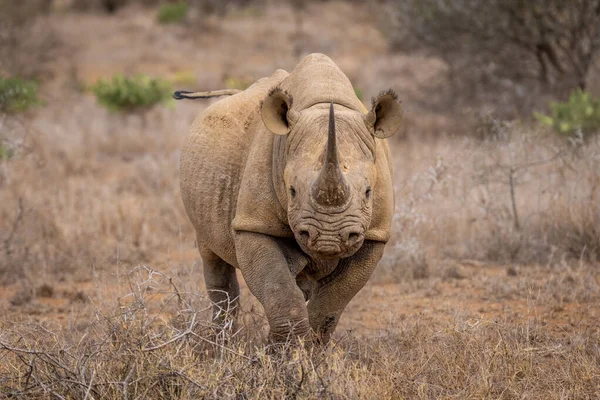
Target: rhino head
{"x": 326, "y": 155}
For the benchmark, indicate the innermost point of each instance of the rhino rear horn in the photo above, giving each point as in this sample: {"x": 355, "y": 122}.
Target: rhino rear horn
{"x": 277, "y": 113}
{"x": 331, "y": 188}
{"x": 386, "y": 115}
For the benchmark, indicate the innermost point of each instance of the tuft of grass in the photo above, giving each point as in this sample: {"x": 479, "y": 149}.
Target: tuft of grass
{"x": 581, "y": 112}
{"x": 169, "y": 13}
{"x": 17, "y": 95}
{"x": 359, "y": 93}
{"x": 123, "y": 93}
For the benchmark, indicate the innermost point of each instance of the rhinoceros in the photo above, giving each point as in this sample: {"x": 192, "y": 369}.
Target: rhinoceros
{"x": 290, "y": 182}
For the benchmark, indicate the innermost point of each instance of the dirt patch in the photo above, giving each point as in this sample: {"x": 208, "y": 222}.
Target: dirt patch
{"x": 485, "y": 294}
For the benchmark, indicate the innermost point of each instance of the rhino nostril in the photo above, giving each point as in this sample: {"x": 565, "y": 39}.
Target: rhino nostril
{"x": 353, "y": 237}
{"x": 304, "y": 235}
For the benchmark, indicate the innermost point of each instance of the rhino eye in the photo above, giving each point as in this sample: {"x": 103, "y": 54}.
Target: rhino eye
{"x": 368, "y": 193}
{"x": 292, "y": 192}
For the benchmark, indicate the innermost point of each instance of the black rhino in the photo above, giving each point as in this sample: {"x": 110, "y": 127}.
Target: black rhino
{"x": 290, "y": 182}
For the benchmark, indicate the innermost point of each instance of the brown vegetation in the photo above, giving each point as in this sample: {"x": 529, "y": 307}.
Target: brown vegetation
{"x": 156, "y": 342}
{"x": 509, "y": 55}
{"x": 490, "y": 287}
{"x": 28, "y": 44}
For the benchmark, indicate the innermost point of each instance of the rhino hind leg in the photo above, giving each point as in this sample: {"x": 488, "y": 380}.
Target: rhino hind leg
{"x": 222, "y": 287}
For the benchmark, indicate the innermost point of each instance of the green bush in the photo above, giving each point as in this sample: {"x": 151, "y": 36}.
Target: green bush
{"x": 172, "y": 12}
{"x": 18, "y": 94}
{"x": 580, "y": 112}
{"x": 123, "y": 93}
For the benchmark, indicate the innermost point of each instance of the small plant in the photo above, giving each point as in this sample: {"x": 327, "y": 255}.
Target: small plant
{"x": 580, "y": 112}
{"x": 18, "y": 94}
{"x": 359, "y": 93}
{"x": 238, "y": 83}
{"x": 172, "y": 12}
{"x": 131, "y": 93}
{"x": 183, "y": 78}
{"x": 5, "y": 152}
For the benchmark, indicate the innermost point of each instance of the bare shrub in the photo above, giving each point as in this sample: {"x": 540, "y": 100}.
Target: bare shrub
{"x": 559, "y": 214}
{"x": 503, "y": 53}
{"x": 108, "y": 6}
{"x": 522, "y": 195}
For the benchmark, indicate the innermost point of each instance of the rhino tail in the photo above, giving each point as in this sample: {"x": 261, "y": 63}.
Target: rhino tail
{"x": 184, "y": 94}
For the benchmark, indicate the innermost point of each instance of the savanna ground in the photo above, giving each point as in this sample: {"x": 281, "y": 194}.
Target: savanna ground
{"x": 489, "y": 288}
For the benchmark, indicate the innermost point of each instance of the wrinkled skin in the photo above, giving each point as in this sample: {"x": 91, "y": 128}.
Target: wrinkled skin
{"x": 290, "y": 182}
{"x": 323, "y": 231}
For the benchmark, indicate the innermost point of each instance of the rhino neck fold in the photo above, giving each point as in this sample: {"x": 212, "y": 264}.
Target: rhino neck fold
{"x": 331, "y": 188}
{"x": 279, "y": 160}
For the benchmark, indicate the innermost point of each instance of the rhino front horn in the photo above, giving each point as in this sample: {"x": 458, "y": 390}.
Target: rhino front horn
{"x": 331, "y": 189}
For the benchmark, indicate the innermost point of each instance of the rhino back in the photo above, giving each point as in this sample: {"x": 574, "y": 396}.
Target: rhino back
{"x": 212, "y": 162}
{"x": 317, "y": 79}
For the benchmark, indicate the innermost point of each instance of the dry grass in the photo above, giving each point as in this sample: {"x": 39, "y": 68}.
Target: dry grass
{"x": 156, "y": 343}
{"x": 81, "y": 191}
{"x": 526, "y": 197}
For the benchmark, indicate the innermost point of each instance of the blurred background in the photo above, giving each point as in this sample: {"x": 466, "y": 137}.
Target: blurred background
{"x": 498, "y": 162}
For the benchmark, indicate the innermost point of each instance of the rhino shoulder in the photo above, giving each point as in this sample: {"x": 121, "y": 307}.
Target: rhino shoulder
{"x": 258, "y": 207}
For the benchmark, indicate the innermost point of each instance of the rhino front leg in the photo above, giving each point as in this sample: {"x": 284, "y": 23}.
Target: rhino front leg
{"x": 333, "y": 292}
{"x": 264, "y": 265}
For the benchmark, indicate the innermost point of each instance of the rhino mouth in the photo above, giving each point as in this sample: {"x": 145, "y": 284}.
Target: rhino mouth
{"x": 329, "y": 245}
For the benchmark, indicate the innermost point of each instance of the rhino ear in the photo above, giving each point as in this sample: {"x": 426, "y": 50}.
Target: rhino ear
{"x": 385, "y": 117}
{"x": 276, "y": 112}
